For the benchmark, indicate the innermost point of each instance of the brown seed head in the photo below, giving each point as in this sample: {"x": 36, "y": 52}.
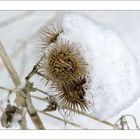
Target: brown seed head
{"x": 65, "y": 68}
{"x": 72, "y": 95}
{"x": 63, "y": 64}
{"x": 50, "y": 33}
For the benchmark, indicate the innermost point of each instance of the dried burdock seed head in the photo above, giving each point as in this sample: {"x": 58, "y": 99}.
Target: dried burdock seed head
{"x": 63, "y": 63}
{"x": 72, "y": 95}
{"x": 65, "y": 68}
{"x": 50, "y": 33}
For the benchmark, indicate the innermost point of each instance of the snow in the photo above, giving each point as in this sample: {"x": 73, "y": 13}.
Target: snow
{"x": 15, "y": 121}
{"x": 112, "y": 80}
{"x": 109, "y": 40}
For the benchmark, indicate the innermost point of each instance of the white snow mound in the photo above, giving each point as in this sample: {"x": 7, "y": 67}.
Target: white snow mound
{"x": 113, "y": 79}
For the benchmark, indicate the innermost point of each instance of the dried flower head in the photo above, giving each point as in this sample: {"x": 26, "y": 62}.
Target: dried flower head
{"x": 72, "y": 95}
{"x": 65, "y": 68}
{"x": 50, "y": 33}
{"x": 63, "y": 63}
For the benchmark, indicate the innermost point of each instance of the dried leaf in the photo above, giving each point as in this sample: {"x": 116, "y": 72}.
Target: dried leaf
{"x": 8, "y": 114}
{"x": 4, "y": 120}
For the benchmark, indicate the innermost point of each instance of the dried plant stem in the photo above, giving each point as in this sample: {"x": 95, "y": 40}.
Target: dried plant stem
{"x": 23, "y": 122}
{"x": 94, "y": 118}
{"x": 122, "y": 121}
{"x": 5, "y": 88}
{"x": 33, "y": 114}
{"x": 82, "y": 113}
{"x": 9, "y": 66}
{"x": 60, "y": 119}
{"x": 33, "y": 71}
{"x": 137, "y": 126}
{"x": 36, "y": 89}
{"x": 31, "y": 110}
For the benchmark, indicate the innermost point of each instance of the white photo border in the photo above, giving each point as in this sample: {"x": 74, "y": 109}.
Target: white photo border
{"x": 70, "y": 134}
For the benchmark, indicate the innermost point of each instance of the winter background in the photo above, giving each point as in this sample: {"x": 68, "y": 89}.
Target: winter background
{"x": 19, "y": 34}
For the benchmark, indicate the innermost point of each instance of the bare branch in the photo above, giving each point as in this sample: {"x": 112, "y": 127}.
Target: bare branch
{"x": 60, "y": 119}
{"x": 94, "y": 118}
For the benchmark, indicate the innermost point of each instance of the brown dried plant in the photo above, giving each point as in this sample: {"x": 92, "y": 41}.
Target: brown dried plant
{"x": 49, "y": 34}
{"x": 65, "y": 68}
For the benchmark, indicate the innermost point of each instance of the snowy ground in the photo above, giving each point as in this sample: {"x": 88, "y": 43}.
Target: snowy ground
{"x": 19, "y": 27}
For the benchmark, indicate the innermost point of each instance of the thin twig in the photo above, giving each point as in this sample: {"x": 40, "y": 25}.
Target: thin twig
{"x": 9, "y": 90}
{"x": 34, "y": 70}
{"x": 92, "y": 117}
{"x": 82, "y": 113}
{"x": 123, "y": 121}
{"x": 36, "y": 89}
{"x": 5, "y": 88}
{"x": 137, "y": 126}
{"x": 60, "y": 119}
